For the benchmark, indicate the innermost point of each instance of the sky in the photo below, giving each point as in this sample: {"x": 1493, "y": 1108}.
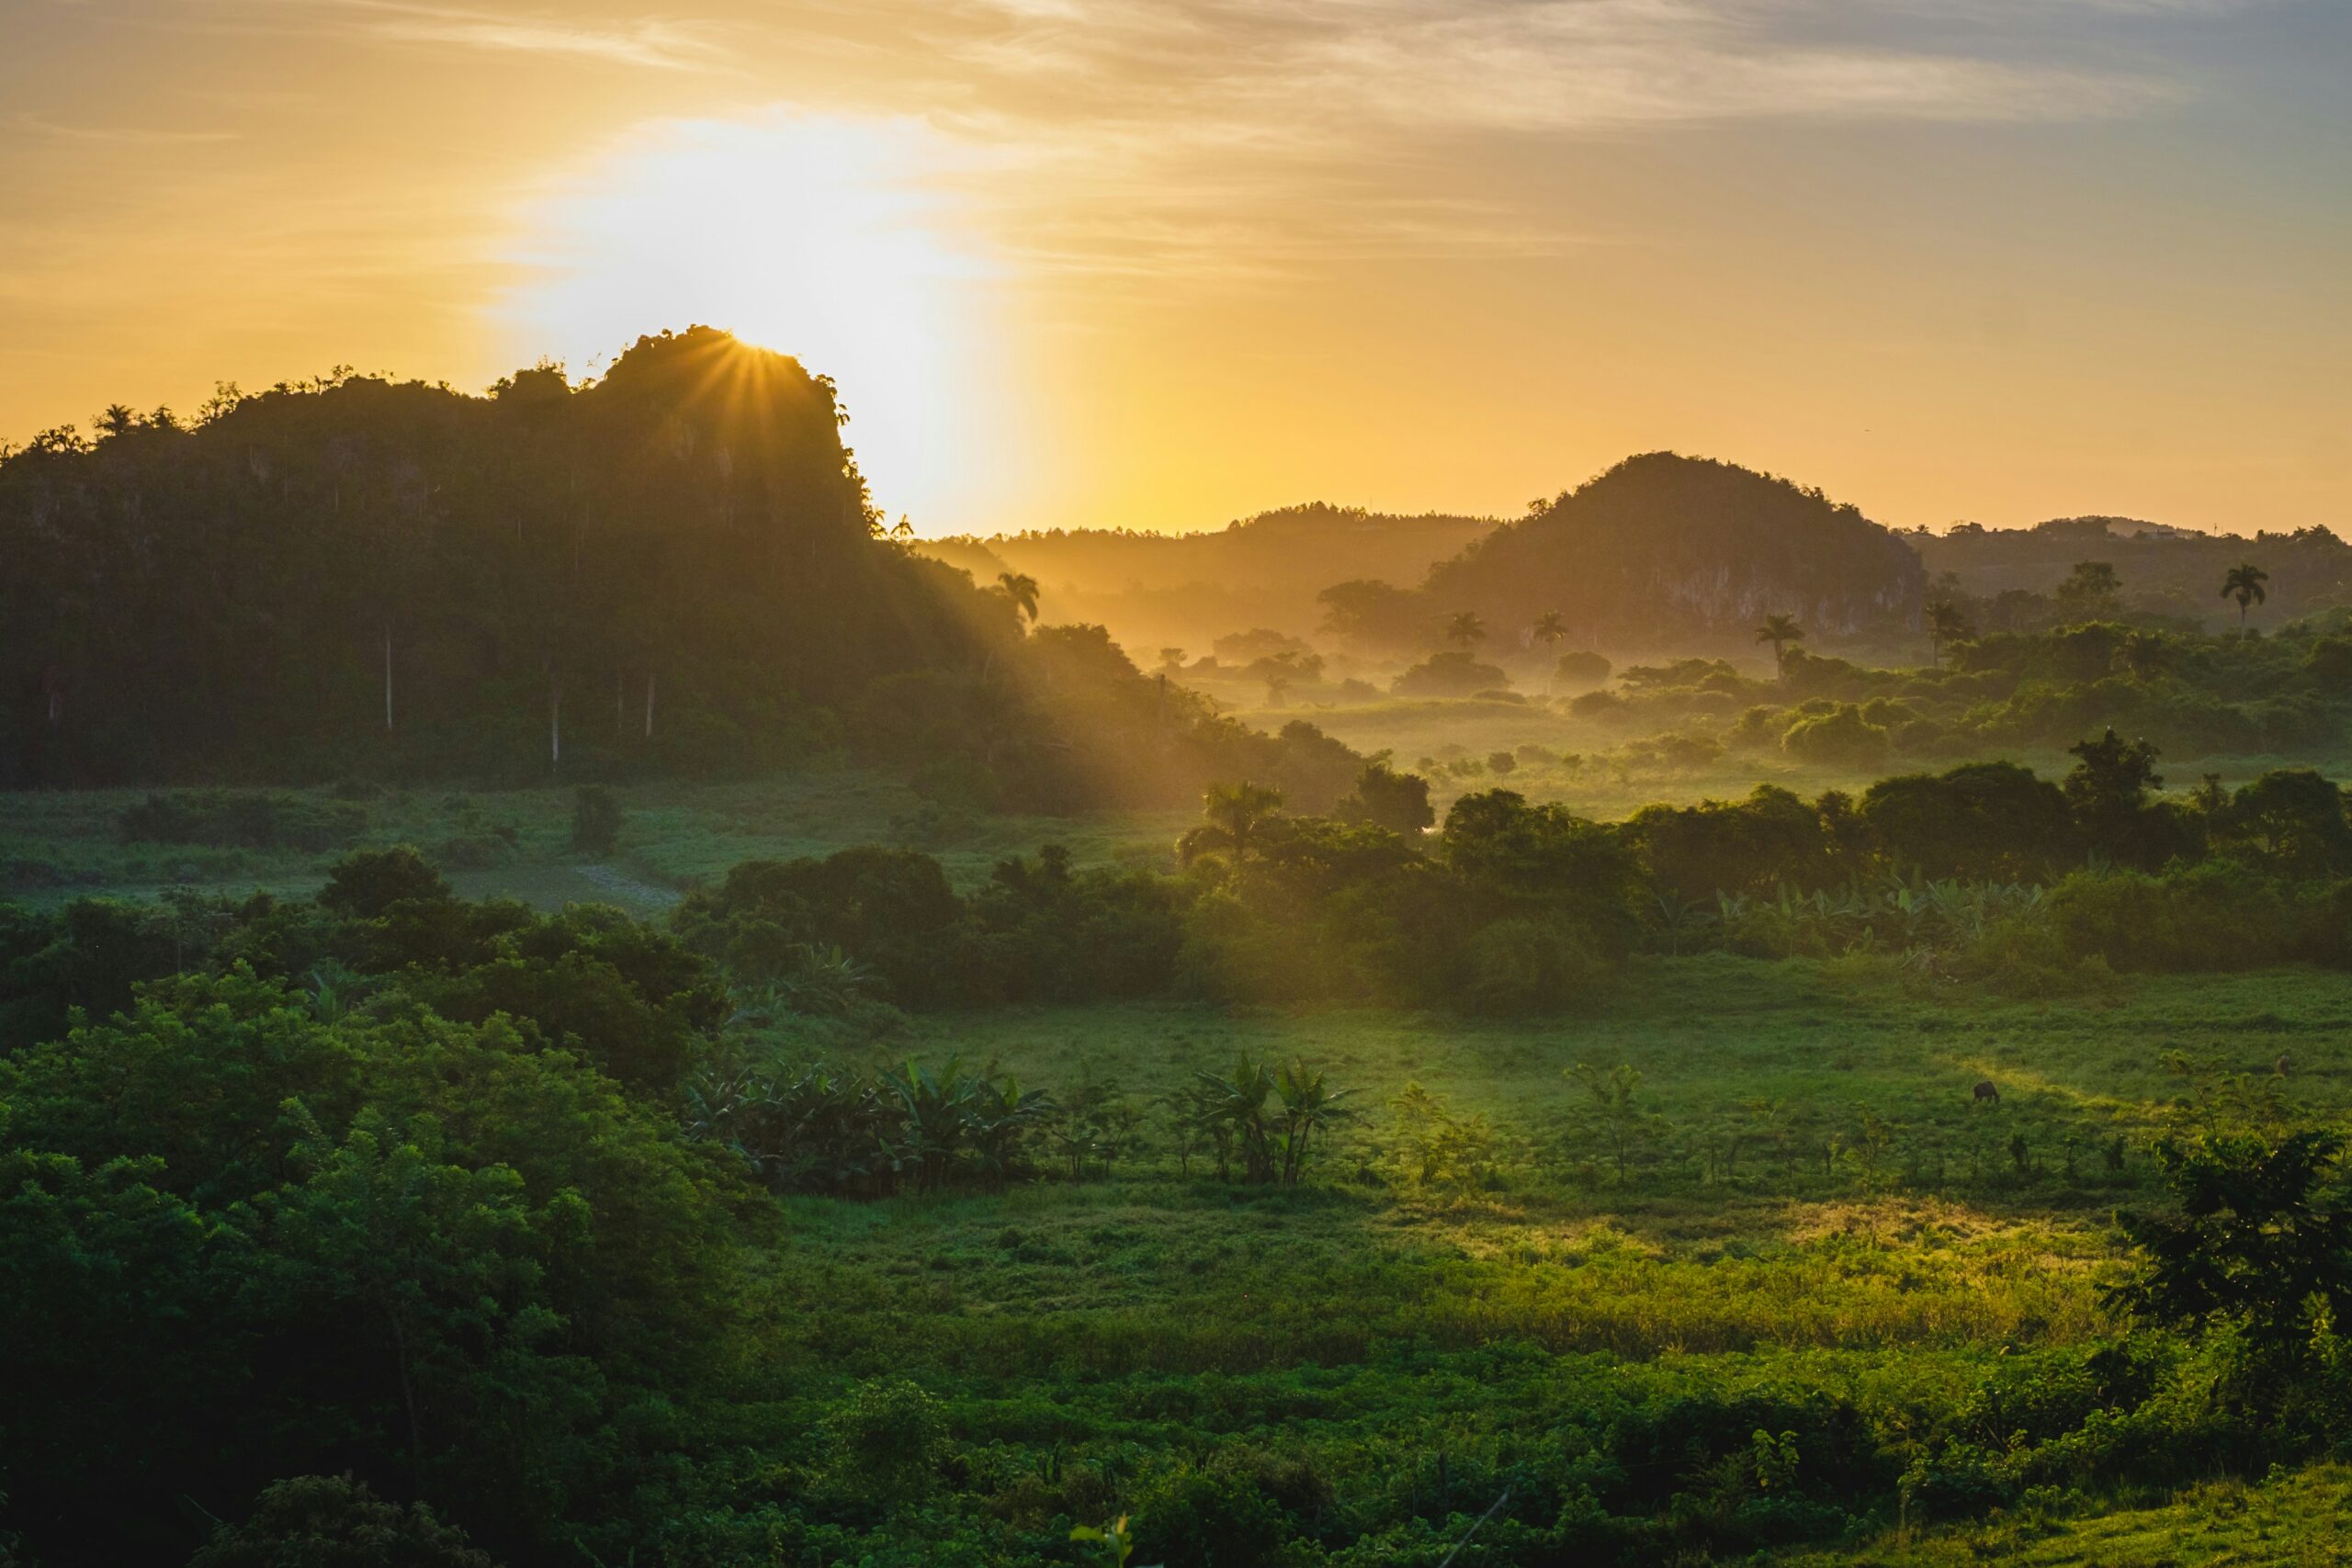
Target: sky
{"x": 1159, "y": 264}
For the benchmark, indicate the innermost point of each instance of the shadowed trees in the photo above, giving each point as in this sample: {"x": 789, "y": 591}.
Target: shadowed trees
{"x": 352, "y": 574}
{"x": 1946, "y": 624}
{"x": 2258, "y": 1242}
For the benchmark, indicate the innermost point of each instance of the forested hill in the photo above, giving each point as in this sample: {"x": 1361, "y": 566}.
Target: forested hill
{"x": 676, "y": 568}
{"x": 2162, "y": 570}
{"x": 1663, "y": 549}
{"x": 1155, "y": 589}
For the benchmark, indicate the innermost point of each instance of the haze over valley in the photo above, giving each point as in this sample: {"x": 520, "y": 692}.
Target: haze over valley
{"x": 1510, "y": 783}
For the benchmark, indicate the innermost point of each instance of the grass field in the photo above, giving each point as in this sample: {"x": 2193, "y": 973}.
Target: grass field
{"x": 64, "y": 845}
{"x": 1372, "y": 1320}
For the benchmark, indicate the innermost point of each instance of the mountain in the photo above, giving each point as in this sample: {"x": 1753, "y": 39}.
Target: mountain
{"x": 1187, "y": 589}
{"x": 1665, "y": 552}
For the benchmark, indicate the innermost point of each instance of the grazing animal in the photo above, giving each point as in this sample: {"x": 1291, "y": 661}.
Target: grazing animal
{"x": 2285, "y": 1062}
{"x": 1986, "y": 1091}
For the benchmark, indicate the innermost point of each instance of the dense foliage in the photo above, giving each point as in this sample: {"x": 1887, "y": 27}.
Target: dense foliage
{"x": 674, "y": 569}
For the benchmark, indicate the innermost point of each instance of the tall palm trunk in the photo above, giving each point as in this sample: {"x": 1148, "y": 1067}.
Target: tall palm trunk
{"x": 388, "y": 678}
{"x": 648, "y": 705}
{"x": 555, "y": 722}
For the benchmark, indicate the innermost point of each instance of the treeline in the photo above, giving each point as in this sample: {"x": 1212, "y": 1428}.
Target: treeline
{"x": 1184, "y": 590}
{"x": 2008, "y": 577}
{"x": 673, "y": 570}
{"x": 1983, "y": 872}
{"x": 2190, "y": 692}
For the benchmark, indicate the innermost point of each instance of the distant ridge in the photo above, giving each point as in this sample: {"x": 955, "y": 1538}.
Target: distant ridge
{"x": 1186, "y": 589}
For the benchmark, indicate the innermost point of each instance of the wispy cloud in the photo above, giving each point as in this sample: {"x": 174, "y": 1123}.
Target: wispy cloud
{"x": 1513, "y": 64}
{"x": 657, "y": 43}
{"x": 33, "y": 127}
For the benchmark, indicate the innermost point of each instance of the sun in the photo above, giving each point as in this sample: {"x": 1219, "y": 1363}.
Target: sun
{"x": 833, "y": 241}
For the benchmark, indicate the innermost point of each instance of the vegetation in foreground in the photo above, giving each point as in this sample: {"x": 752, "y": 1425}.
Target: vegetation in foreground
{"x": 602, "y": 1241}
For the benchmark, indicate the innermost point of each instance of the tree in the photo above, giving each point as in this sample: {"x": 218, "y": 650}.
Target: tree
{"x": 596, "y": 820}
{"x": 1172, "y": 658}
{"x": 2145, "y": 655}
{"x": 2251, "y": 1245}
{"x": 1234, "y": 814}
{"x": 2090, "y": 592}
{"x": 1465, "y": 627}
{"x": 1980, "y": 821}
{"x": 2109, "y": 788}
{"x": 1946, "y": 624}
{"x": 321, "y": 1521}
{"x": 1614, "y": 1114}
{"x": 1550, "y": 628}
{"x": 1780, "y": 631}
{"x": 1386, "y": 798}
{"x": 2292, "y": 818}
{"x": 365, "y": 883}
{"x": 2243, "y": 583}
{"x": 1022, "y": 589}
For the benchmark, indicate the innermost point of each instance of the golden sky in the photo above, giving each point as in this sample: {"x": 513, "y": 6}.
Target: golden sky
{"x": 1161, "y": 263}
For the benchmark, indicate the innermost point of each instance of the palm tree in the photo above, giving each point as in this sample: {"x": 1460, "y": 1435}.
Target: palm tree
{"x": 1465, "y": 628}
{"x": 1022, "y": 589}
{"x": 1549, "y": 629}
{"x": 1945, "y": 625}
{"x": 1780, "y": 631}
{"x": 2243, "y": 584}
{"x": 1234, "y": 813}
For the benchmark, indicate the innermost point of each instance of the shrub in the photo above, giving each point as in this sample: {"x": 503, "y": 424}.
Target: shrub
{"x": 596, "y": 820}
{"x": 1593, "y": 705}
{"x": 1842, "y": 737}
{"x": 241, "y": 820}
{"x": 319, "y": 1521}
{"x": 1209, "y": 1516}
{"x": 1533, "y": 964}
{"x": 1455, "y": 672}
{"x": 367, "y": 883}
{"x": 477, "y": 852}
{"x": 1581, "y": 669}
{"x": 886, "y": 1440}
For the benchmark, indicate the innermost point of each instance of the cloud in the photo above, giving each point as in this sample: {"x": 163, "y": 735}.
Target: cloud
{"x": 34, "y": 127}
{"x": 654, "y": 43}
{"x": 1558, "y": 65}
